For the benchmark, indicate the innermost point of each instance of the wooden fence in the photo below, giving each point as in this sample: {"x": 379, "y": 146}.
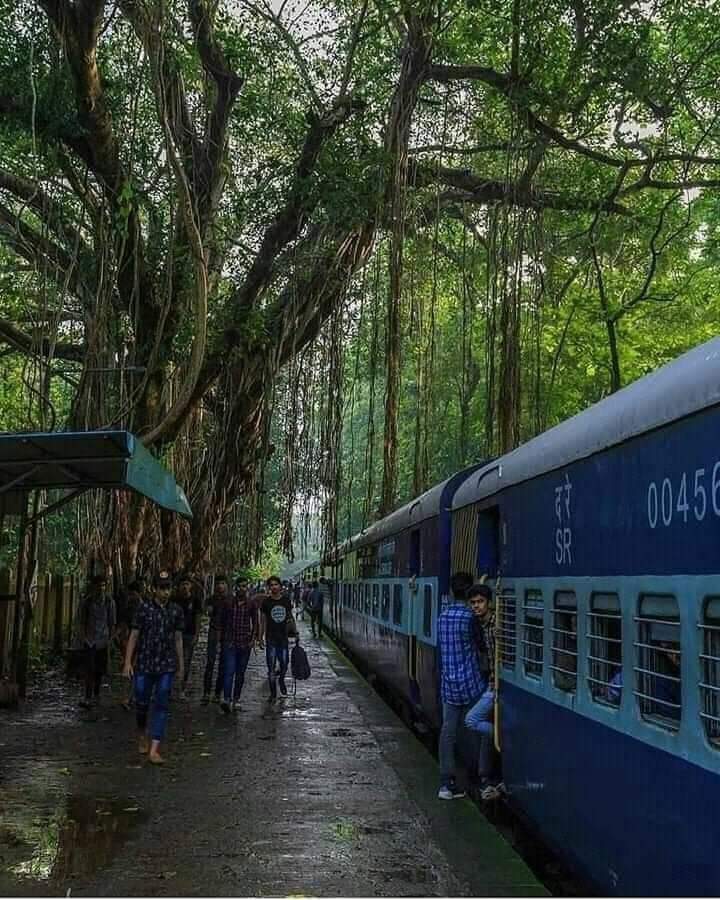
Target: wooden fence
{"x": 55, "y": 602}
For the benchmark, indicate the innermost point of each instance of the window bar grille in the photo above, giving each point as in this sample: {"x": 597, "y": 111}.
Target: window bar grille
{"x": 710, "y": 682}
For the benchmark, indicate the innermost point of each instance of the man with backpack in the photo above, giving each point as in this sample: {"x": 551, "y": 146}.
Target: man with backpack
{"x": 278, "y": 625}
{"x": 315, "y": 608}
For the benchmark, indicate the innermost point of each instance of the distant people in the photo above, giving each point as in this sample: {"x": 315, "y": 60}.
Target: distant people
{"x": 297, "y": 596}
{"x": 277, "y": 627}
{"x": 157, "y": 636}
{"x": 215, "y": 606}
{"x": 461, "y": 680}
{"x": 315, "y": 608}
{"x": 481, "y": 717}
{"x": 304, "y": 598}
{"x": 238, "y": 633}
{"x": 189, "y": 602}
{"x": 96, "y": 628}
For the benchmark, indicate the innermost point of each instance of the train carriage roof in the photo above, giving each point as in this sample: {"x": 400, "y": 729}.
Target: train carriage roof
{"x": 679, "y": 389}
{"x": 418, "y": 510}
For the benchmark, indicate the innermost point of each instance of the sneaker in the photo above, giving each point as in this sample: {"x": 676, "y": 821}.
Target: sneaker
{"x": 236, "y": 706}
{"x": 225, "y": 707}
{"x": 215, "y": 698}
{"x": 205, "y": 699}
{"x": 85, "y": 704}
{"x": 450, "y": 793}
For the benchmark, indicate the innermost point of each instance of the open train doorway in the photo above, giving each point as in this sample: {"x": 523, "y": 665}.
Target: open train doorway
{"x": 487, "y": 559}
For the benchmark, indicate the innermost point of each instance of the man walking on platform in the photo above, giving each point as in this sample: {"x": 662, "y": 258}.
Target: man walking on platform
{"x": 96, "y": 628}
{"x": 216, "y": 604}
{"x": 277, "y": 626}
{"x": 157, "y": 635}
{"x": 238, "y": 625}
{"x": 189, "y": 603}
{"x": 461, "y": 680}
{"x": 315, "y": 608}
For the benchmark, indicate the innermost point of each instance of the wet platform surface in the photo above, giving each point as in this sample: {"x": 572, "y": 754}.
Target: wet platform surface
{"x": 324, "y": 794}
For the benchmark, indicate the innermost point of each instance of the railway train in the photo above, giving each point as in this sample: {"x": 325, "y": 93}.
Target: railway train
{"x": 602, "y": 537}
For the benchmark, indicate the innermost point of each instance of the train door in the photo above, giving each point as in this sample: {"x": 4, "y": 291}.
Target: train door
{"x": 412, "y": 649}
{"x": 487, "y": 561}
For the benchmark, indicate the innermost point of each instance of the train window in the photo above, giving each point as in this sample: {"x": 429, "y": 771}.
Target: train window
{"x": 427, "y": 610}
{"x": 533, "y": 628}
{"x": 385, "y": 609}
{"x": 507, "y": 628}
{"x": 375, "y": 600}
{"x": 564, "y": 641}
{"x": 658, "y": 685}
{"x": 710, "y": 670}
{"x": 367, "y": 599}
{"x": 397, "y": 604}
{"x": 605, "y": 649}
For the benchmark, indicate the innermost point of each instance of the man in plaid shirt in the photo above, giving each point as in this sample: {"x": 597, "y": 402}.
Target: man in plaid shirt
{"x": 238, "y": 633}
{"x": 462, "y": 682}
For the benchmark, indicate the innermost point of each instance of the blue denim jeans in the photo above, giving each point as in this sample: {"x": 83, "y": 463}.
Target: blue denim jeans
{"x": 453, "y": 716}
{"x": 145, "y": 683}
{"x": 235, "y": 661}
{"x": 276, "y": 654}
{"x": 481, "y": 719}
{"x": 213, "y": 651}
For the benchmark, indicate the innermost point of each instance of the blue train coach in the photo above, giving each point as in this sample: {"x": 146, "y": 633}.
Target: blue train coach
{"x": 390, "y": 581}
{"x": 603, "y": 535}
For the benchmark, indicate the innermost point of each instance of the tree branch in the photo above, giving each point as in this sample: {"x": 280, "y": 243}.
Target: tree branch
{"x": 29, "y": 345}
{"x": 478, "y": 190}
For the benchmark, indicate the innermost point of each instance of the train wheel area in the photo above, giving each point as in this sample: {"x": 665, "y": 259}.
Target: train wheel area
{"x": 325, "y": 793}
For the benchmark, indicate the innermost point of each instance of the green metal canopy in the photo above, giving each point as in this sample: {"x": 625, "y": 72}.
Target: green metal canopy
{"x": 78, "y": 461}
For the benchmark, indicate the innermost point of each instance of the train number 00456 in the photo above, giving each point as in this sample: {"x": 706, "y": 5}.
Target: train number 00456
{"x": 692, "y": 495}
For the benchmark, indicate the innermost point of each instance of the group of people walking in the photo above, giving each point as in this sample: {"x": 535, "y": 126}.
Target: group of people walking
{"x": 157, "y": 629}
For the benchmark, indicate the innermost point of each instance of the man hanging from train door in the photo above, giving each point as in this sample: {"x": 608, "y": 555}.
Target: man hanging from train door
{"x": 480, "y": 718}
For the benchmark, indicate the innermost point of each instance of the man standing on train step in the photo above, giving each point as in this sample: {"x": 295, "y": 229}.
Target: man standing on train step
{"x": 461, "y": 680}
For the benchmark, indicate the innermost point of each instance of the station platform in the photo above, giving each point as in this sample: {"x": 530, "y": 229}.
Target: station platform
{"x": 323, "y": 794}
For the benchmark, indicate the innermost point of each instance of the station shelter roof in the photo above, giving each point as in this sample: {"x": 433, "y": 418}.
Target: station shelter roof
{"x": 81, "y": 460}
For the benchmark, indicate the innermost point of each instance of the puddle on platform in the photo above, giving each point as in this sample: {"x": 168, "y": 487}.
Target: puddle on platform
{"x": 78, "y": 837}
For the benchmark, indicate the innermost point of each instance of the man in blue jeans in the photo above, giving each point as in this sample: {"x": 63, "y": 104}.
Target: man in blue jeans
{"x": 156, "y": 633}
{"x": 481, "y": 718}
{"x": 278, "y": 625}
{"x": 461, "y": 680}
{"x": 238, "y": 628}
{"x": 216, "y": 603}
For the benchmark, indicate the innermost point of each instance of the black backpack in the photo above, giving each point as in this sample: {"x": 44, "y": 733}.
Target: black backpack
{"x": 299, "y": 663}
